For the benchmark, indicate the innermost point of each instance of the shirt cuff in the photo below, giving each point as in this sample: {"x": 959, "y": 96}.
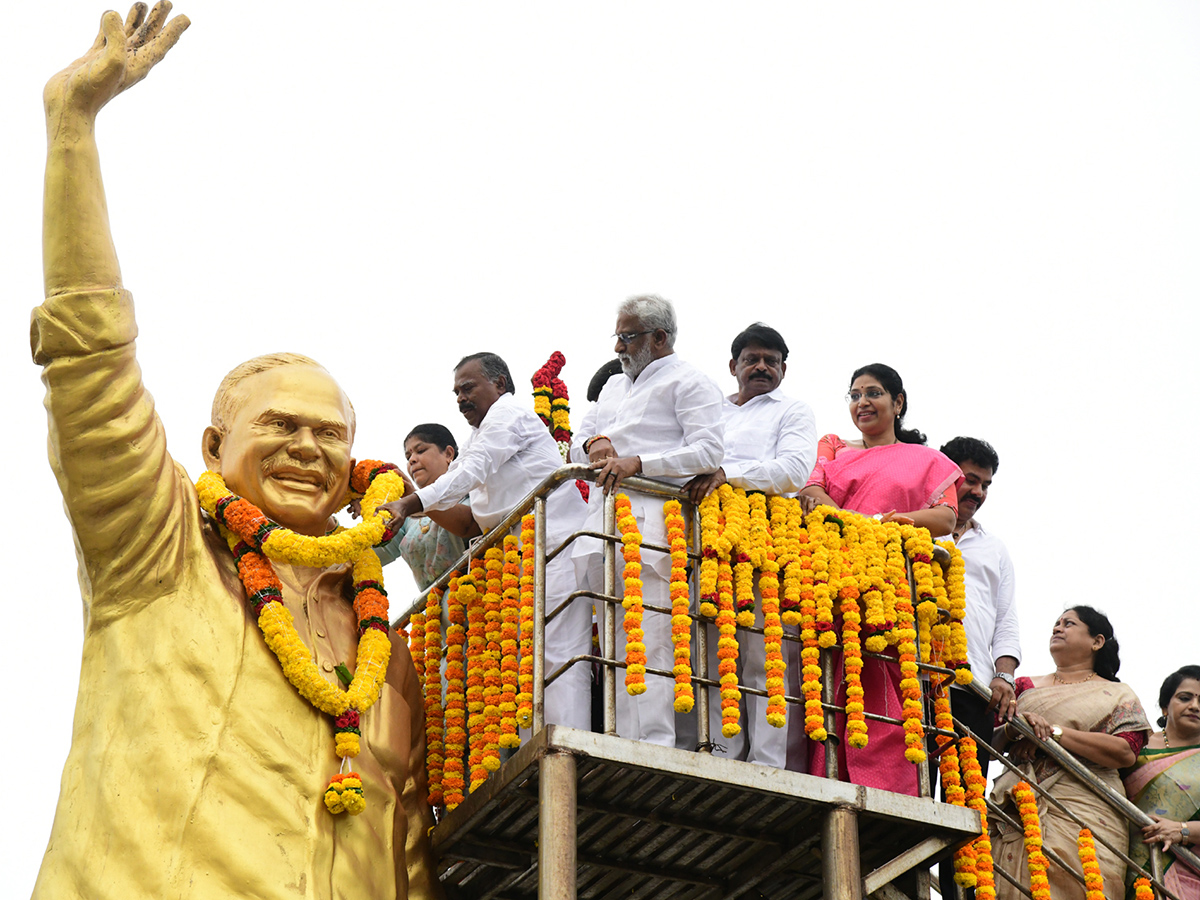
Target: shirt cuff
{"x": 734, "y": 470}
{"x": 80, "y": 323}
{"x": 652, "y": 465}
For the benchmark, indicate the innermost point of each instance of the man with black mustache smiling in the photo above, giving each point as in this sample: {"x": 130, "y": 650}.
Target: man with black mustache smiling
{"x": 770, "y": 446}
{"x": 508, "y": 454}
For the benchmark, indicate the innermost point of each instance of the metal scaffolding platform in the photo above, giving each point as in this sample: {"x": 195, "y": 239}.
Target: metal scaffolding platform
{"x": 574, "y": 813}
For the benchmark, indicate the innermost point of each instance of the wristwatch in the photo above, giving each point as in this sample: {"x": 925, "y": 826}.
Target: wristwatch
{"x": 1185, "y": 836}
{"x": 1056, "y": 733}
{"x": 1008, "y": 679}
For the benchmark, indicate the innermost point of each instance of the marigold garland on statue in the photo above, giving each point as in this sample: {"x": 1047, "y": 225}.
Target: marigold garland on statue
{"x": 635, "y": 650}
{"x": 255, "y": 540}
{"x": 681, "y": 621}
{"x": 1039, "y": 884}
{"x": 1093, "y": 880}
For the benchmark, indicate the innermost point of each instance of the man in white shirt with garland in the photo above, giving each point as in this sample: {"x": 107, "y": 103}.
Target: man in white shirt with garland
{"x": 770, "y": 446}
{"x": 661, "y": 419}
{"x": 508, "y": 454}
{"x": 993, "y": 638}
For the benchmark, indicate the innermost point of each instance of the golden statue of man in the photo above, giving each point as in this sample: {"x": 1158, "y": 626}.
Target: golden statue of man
{"x": 196, "y": 770}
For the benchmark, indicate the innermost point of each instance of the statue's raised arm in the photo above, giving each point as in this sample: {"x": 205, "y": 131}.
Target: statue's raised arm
{"x": 77, "y": 246}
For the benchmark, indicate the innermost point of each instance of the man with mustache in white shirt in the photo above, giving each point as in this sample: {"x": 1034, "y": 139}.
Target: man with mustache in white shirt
{"x": 661, "y": 418}
{"x": 770, "y": 446}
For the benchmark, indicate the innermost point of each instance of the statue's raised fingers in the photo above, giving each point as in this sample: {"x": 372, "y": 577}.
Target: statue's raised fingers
{"x": 153, "y": 24}
{"x": 137, "y": 15}
{"x": 158, "y": 46}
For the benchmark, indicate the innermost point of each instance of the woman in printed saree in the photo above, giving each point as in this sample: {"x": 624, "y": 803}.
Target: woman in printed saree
{"x": 1165, "y": 783}
{"x": 1083, "y": 707}
{"x": 888, "y": 472}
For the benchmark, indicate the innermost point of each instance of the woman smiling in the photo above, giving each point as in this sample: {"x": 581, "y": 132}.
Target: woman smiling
{"x": 888, "y": 471}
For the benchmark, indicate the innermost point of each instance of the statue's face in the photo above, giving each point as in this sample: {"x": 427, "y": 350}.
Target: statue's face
{"x": 287, "y": 448}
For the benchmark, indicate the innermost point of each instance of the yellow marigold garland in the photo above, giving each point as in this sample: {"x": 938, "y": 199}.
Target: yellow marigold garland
{"x": 1142, "y": 889}
{"x": 798, "y": 567}
{"x": 472, "y": 601}
{"x": 510, "y": 637}
{"x": 1039, "y": 884}
{"x": 635, "y": 650}
{"x": 453, "y": 782}
{"x": 434, "y": 713}
{"x": 416, "y": 641}
{"x": 1093, "y": 880}
{"x": 710, "y": 532}
{"x": 255, "y": 540}
{"x": 913, "y": 712}
{"x": 956, "y": 592}
{"x": 852, "y": 661}
{"x": 681, "y": 621}
{"x": 976, "y": 785}
{"x": 768, "y": 587}
{"x": 525, "y": 667}
{"x": 494, "y": 566}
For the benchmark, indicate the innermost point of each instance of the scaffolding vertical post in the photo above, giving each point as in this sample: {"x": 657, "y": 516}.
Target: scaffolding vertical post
{"x": 841, "y": 870}
{"x": 539, "y": 614}
{"x": 556, "y": 826}
{"x": 828, "y": 697}
{"x": 608, "y": 637}
{"x": 703, "y": 737}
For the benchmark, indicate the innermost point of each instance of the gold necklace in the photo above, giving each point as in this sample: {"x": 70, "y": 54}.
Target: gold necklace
{"x": 1092, "y": 675}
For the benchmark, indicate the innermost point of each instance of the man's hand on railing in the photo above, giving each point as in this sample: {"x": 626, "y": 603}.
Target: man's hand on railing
{"x": 703, "y": 485}
{"x": 611, "y": 472}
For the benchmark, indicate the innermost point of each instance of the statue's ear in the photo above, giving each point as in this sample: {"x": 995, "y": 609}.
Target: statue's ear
{"x": 210, "y": 447}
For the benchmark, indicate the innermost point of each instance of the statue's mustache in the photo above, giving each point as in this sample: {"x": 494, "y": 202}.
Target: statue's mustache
{"x": 276, "y": 464}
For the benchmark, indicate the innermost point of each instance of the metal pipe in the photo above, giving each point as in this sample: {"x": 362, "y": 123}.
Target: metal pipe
{"x": 539, "y": 614}
{"x": 827, "y": 697}
{"x": 556, "y": 826}
{"x": 840, "y": 867}
{"x": 609, "y": 617}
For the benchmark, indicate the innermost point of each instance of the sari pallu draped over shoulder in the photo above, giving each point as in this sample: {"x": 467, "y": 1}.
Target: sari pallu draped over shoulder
{"x": 1106, "y": 707}
{"x": 1166, "y": 783}
{"x": 900, "y": 477}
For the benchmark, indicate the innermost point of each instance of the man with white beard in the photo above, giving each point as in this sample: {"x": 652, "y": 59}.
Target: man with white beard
{"x": 661, "y": 419}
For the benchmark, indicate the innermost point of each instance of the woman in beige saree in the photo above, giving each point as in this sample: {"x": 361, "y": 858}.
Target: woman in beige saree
{"x": 1099, "y": 720}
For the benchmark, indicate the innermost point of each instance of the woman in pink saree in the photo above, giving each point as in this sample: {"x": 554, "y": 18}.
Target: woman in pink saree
{"x": 1165, "y": 783}
{"x": 889, "y": 473}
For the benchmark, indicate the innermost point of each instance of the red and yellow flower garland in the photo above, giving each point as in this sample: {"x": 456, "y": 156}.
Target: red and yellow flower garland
{"x": 255, "y": 540}
{"x": 681, "y": 620}
{"x": 551, "y": 403}
{"x": 1039, "y": 884}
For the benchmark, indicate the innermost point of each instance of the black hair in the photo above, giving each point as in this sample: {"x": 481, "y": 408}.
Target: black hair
{"x": 433, "y": 433}
{"x": 761, "y": 335}
{"x": 1171, "y": 685}
{"x": 605, "y": 372}
{"x": 493, "y": 367}
{"x": 1107, "y": 660}
{"x": 889, "y": 379}
{"x": 969, "y": 449}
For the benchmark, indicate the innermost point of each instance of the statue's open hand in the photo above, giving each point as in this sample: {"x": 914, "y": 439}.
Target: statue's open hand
{"x": 123, "y": 54}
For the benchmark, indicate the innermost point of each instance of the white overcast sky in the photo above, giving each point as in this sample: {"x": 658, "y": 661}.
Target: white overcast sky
{"x": 1000, "y": 200}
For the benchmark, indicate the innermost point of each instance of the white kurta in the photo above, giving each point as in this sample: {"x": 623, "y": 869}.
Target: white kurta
{"x": 991, "y": 616}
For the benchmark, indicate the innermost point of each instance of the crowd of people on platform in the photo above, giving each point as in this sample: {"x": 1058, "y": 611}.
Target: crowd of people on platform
{"x": 656, "y": 415}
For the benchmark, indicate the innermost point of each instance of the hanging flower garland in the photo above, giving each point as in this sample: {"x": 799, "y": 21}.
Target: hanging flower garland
{"x": 525, "y": 667}
{"x": 798, "y": 568}
{"x": 681, "y": 621}
{"x": 434, "y": 713}
{"x": 1142, "y": 889}
{"x": 768, "y": 587}
{"x": 1093, "y": 880}
{"x": 551, "y": 403}
{"x": 823, "y": 584}
{"x": 913, "y": 711}
{"x": 710, "y": 532}
{"x": 456, "y": 707}
{"x": 965, "y": 857}
{"x": 727, "y": 650}
{"x": 494, "y": 566}
{"x": 1039, "y": 884}
{"x": 635, "y": 650}
{"x": 416, "y": 641}
{"x": 255, "y": 540}
{"x": 976, "y": 784}
{"x": 872, "y": 585}
{"x": 510, "y": 636}
{"x": 956, "y": 593}
{"x": 472, "y": 601}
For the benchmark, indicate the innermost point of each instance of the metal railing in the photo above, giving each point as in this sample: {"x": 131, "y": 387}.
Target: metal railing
{"x": 608, "y": 599}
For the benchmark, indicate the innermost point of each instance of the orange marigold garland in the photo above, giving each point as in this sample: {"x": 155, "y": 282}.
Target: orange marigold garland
{"x": 681, "y": 621}
{"x": 510, "y": 637}
{"x": 434, "y": 713}
{"x": 964, "y": 859}
{"x": 494, "y": 566}
{"x": 255, "y": 540}
{"x": 416, "y": 641}
{"x": 710, "y": 532}
{"x": 1142, "y": 889}
{"x": 1039, "y": 884}
{"x": 525, "y": 667}
{"x": 1093, "y": 880}
{"x": 976, "y": 784}
{"x": 472, "y": 601}
{"x": 456, "y": 708}
{"x": 635, "y": 650}
{"x": 852, "y": 661}
{"x": 910, "y": 685}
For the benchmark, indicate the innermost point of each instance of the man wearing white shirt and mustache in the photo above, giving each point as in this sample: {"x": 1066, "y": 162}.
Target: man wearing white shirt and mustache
{"x": 770, "y": 446}
{"x": 661, "y": 419}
